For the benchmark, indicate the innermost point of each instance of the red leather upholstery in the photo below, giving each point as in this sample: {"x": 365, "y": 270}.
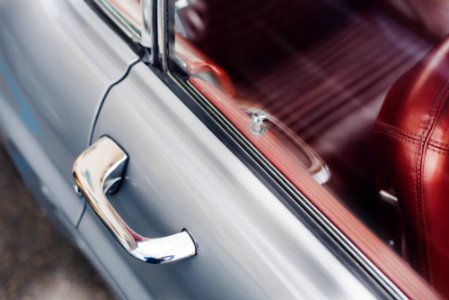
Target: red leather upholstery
{"x": 412, "y": 149}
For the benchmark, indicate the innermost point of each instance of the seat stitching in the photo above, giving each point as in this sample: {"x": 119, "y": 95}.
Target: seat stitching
{"x": 420, "y": 159}
{"x": 435, "y": 142}
{"x": 398, "y": 134}
{"x": 380, "y": 123}
{"x": 424, "y": 143}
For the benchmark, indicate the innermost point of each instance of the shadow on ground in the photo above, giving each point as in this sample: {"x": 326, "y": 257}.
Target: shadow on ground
{"x": 35, "y": 261}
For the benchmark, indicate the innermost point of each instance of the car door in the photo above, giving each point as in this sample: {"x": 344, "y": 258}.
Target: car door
{"x": 180, "y": 175}
{"x": 185, "y": 173}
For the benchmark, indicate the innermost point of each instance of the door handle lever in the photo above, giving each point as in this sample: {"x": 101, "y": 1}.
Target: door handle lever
{"x": 99, "y": 170}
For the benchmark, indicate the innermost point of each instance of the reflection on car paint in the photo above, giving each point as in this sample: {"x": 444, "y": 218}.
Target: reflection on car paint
{"x": 25, "y": 110}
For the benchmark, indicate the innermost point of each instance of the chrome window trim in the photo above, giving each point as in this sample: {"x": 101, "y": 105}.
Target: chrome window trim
{"x": 126, "y": 26}
{"x": 146, "y": 34}
{"x": 163, "y": 33}
{"x": 167, "y": 43}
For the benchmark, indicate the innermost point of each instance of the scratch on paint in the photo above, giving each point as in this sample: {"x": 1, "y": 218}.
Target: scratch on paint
{"x": 25, "y": 110}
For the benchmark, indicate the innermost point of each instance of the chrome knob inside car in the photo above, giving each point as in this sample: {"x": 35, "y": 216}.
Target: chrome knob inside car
{"x": 260, "y": 123}
{"x": 99, "y": 170}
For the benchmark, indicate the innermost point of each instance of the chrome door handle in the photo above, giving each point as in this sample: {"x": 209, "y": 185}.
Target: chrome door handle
{"x": 98, "y": 170}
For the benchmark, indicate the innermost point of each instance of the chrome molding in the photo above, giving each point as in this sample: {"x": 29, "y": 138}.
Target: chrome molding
{"x": 162, "y": 33}
{"x": 147, "y": 35}
{"x": 99, "y": 170}
{"x": 125, "y": 25}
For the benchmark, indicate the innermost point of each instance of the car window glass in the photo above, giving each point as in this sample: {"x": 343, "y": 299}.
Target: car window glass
{"x": 303, "y": 81}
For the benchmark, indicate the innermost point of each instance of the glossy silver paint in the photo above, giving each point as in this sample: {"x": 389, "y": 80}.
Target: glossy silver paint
{"x": 99, "y": 170}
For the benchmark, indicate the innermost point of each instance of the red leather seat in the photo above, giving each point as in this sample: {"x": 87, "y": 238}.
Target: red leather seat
{"x": 412, "y": 151}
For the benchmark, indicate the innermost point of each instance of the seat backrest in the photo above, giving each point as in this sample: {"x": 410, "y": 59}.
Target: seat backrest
{"x": 411, "y": 140}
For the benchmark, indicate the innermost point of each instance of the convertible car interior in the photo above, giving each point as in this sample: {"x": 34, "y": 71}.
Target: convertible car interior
{"x": 326, "y": 80}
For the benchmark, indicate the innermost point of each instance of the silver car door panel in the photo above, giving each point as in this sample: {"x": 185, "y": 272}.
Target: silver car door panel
{"x": 180, "y": 175}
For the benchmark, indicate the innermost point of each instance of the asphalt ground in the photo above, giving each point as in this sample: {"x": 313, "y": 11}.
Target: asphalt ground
{"x": 36, "y": 262}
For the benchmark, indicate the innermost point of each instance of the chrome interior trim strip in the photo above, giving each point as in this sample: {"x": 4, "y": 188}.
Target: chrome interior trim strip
{"x": 317, "y": 167}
